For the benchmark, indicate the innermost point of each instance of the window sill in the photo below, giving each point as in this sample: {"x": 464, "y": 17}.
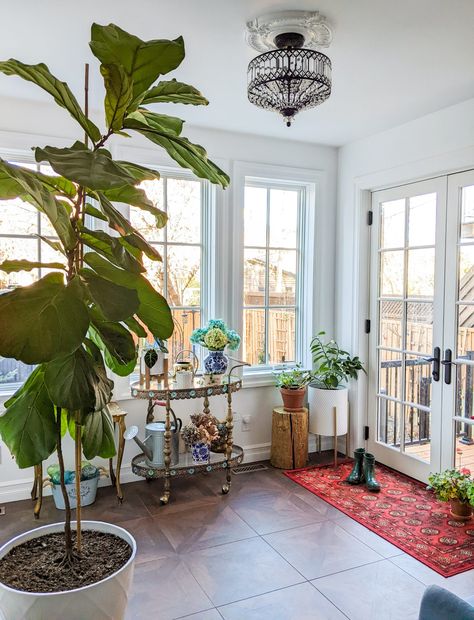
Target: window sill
{"x": 258, "y": 379}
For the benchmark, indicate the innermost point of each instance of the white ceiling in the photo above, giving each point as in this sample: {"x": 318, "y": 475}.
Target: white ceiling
{"x": 392, "y": 61}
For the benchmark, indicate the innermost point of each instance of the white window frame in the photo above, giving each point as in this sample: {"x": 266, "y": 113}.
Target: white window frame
{"x": 308, "y": 244}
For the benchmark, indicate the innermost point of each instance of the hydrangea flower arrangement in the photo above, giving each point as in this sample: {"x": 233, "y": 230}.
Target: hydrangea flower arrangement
{"x": 216, "y": 336}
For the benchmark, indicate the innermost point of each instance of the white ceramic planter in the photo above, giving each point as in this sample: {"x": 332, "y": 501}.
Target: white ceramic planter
{"x": 321, "y": 410}
{"x": 104, "y": 600}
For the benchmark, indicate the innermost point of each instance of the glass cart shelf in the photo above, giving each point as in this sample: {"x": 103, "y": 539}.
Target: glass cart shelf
{"x": 186, "y": 466}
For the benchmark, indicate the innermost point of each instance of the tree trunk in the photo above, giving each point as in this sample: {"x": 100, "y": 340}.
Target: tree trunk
{"x": 289, "y": 438}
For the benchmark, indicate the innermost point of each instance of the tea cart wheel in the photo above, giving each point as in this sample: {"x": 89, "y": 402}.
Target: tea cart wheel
{"x": 164, "y": 499}
{"x": 225, "y": 488}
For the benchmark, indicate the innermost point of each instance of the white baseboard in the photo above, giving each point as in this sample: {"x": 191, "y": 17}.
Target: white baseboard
{"x": 14, "y": 490}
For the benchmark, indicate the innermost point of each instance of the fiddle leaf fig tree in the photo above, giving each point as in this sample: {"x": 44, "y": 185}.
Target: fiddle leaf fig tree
{"x": 79, "y": 318}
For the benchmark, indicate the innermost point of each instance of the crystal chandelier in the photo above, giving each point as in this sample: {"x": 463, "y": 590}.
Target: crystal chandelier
{"x": 289, "y": 76}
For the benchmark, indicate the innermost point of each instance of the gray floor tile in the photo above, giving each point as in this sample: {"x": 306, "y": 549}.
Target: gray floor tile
{"x": 372, "y": 540}
{"x": 321, "y": 549}
{"x": 379, "y": 591}
{"x": 273, "y": 512}
{"x": 210, "y": 614}
{"x": 462, "y": 584}
{"x": 238, "y": 570}
{"x": 301, "y": 602}
{"x": 165, "y": 589}
{"x": 206, "y": 527}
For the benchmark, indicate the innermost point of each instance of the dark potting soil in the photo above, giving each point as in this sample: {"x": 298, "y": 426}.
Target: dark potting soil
{"x": 35, "y": 566}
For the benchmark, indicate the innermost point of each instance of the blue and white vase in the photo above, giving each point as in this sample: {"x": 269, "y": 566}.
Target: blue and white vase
{"x": 200, "y": 452}
{"x": 216, "y": 363}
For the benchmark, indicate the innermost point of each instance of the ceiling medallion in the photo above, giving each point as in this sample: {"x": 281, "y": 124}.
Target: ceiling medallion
{"x": 291, "y": 74}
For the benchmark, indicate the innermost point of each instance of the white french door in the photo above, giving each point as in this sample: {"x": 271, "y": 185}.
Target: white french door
{"x": 421, "y": 365}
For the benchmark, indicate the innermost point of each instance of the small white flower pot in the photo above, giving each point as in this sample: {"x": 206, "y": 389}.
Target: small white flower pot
{"x": 88, "y": 493}
{"x": 321, "y": 410}
{"x": 104, "y": 600}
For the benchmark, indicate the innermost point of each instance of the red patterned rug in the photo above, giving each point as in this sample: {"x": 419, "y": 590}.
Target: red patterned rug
{"x": 404, "y": 513}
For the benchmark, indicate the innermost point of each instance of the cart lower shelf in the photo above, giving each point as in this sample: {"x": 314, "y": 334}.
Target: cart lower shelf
{"x": 186, "y": 466}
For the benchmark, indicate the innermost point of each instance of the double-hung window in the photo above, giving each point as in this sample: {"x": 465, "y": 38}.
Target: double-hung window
{"x": 181, "y": 276}
{"x": 272, "y": 276}
{"x": 25, "y": 234}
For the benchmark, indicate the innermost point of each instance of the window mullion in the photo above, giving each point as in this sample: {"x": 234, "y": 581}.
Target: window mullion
{"x": 267, "y": 281}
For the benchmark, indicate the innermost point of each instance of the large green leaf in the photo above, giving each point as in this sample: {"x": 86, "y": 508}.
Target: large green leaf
{"x": 139, "y": 173}
{"x": 42, "y": 77}
{"x": 136, "y": 197}
{"x": 160, "y": 122}
{"x": 103, "y": 385}
{"x": 116, "y": 302}
{"x": 17, "y": 182}
{"x": 29, "y": 425}
{"x": 116, "y": 220}
{"x": 135, "y": 242}
{"x": 94, "y": 212}
{"x": 174, "y": 92}
{"x": 71, "y": 381}
{"x": 142, "y": 61}
{"x": 136, "y": 327}
{"x": 118, "y": 94}
{"x": 42, "y": 321}
{"x": 98, "y": 435}
{"x": 153, "y": 311}
{"x": 10, "y": 266}
{"x": 92, "y": 169}
{"x": 117, "y": 344}
{"x": 111, "y": 248}
{"x": 184, "y": 152}
{"x": 57, "y": 184}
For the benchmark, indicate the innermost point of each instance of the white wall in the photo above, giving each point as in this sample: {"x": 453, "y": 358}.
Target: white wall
{"x": 24, "y": 124}
{"x": 435, "y": 144}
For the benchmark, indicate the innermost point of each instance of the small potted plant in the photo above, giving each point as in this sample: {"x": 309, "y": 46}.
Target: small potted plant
{"x": 292, "y": 384}
{"x": 457, "y": 487}
{"x": 333, "y": 367}
{"x": 215, "y": 337}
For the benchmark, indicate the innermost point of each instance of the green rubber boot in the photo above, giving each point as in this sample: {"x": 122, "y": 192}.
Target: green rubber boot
{"x": 357, "y": 474}
{"x": 369, "y": 473}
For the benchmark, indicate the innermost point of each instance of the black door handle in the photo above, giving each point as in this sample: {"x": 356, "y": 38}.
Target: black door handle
{"x": 448, "y": 365}
{"x": 436, "y": 362}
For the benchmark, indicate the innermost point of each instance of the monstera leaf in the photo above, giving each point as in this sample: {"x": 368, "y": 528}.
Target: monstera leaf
{"x": 42, "y": 321}
{"x": 98, "y": 435}
{"x": 142, "y": 61}
{"x": 174, "y": 92}
{"x": 42, "y": 77}
{"x": 29, "y": 425}
{"x": 153, "y": 309}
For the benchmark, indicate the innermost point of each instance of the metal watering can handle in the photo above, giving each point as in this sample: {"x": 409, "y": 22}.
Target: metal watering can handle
{"x": 178, "y": 423}
{"x": 195, "y": 359}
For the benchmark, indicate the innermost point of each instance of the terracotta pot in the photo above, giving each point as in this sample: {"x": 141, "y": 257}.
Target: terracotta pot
{"x": 293, "y": 399}
{"x": 460, "y": 511}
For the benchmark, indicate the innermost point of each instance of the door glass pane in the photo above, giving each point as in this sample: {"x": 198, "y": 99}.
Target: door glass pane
{"x": 390, "y": 373}
{"x": 466, "y": 273}
{"x": 184, "y": 276}
{"x": 255, "y": 216}
{"x": 422, "y": 220}
{"x": 419, "y": 336}
{"x": 465, "y": 330}
{"x": 254, "y": 337}
{"x": 467, "y": 212}
{"x": 417, "y": 433}
{"x": 421, "y": 265}
{"x": 282, "y": 277}
{"x": 391, "y": 277}
{"x": 464, "y": 453}
{"x": 254, "y": 277}
{"x": 391, "y": 314}
{"x": 392, "y": 224}
{"x": 281, "y": 335}
{"x": 184, "y": 210}
{"x": 389, "y": 422}
{"x": 418, "y": 380}
{"x": 283, "y": 218}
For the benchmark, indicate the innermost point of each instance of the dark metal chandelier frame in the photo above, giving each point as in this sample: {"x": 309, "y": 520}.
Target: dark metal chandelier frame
{"x": 289, "y": 79}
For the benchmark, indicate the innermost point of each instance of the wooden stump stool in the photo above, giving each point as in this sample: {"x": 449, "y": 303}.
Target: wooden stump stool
{"x": 289, "y": 438}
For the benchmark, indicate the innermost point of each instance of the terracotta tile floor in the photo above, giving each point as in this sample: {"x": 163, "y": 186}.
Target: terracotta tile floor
{"x": 270, "y": 550}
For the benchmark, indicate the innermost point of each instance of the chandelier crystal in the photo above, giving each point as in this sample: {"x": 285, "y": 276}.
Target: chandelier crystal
{"x": 289, "y": 78}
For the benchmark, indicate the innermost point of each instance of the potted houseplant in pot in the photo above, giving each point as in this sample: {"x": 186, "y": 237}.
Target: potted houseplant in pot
{"x": 457, "y": 487}
{"x": 215, "y": 337}
{"x": 333, "y": 367}
{"x": 81, "y": 316}
{"x": 292, "y": 384}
